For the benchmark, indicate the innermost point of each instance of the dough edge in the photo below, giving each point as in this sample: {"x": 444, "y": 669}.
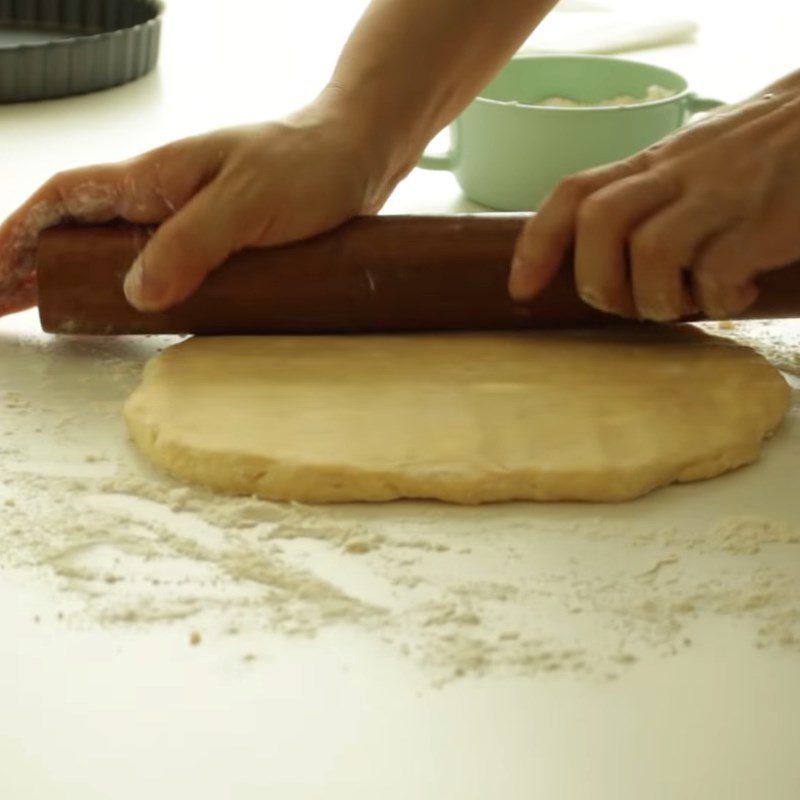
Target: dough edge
{"x": 285, "y": 481}
{"x": 335, "y": 483}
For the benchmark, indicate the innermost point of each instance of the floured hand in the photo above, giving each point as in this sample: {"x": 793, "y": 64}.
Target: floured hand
{"x": 211, "y": 195}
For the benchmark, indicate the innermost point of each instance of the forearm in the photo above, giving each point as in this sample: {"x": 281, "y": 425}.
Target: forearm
{"x": 411, "y": 66}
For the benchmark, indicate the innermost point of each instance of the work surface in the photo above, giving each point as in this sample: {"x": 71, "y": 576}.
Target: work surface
{"x": 159, "y": 642}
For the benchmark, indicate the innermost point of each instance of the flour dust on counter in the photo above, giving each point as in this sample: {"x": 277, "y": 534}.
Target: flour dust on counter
{"x": 533, "y": 590}
{"x": 778, "y": 342}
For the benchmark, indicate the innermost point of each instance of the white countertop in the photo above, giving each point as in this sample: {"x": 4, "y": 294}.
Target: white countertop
{"x": 697, "y": 700}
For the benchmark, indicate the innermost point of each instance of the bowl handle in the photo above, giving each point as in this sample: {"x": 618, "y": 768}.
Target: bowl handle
{"x": 449, "y": 159}
{"x": 441, "y": 161}
{"x": 697, "y": 105}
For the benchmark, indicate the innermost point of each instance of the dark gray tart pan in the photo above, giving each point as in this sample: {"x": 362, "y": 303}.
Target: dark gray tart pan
{"x": 54, "y": 48}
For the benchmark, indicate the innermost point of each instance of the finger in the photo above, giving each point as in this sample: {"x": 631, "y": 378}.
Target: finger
{"x": 92, "y": 195}
{"x": 86, "y": 194}
{"x": 606, "y": 220}
{"x": 723, "y": 278}
{"x": 548, "y": 235}
{"x": 19, "y": 234}
{"x": 182, "y": 252}
{"x": 660, "y": 249}
{"x": 146, "y": 189}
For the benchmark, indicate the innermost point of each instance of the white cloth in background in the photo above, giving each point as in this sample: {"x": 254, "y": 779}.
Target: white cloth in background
{"x": 582, "y": 26}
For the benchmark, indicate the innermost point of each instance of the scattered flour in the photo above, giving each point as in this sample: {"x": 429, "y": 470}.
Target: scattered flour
{"x": 778, "y": 342}
{"x": 461, "y": 592}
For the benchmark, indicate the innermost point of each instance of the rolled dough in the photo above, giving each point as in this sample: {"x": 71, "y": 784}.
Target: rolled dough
{"x": 465, "y": 418}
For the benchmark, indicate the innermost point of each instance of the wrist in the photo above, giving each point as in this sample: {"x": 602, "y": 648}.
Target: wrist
{"x": 383, "y": 151}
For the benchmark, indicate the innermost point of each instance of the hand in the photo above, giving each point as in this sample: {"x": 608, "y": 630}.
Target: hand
{"x": 215, "y": 194}
{"x": 685, "y": 226}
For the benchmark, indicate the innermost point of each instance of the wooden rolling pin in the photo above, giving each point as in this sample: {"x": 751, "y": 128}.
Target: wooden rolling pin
{"x": 372, "y": 274}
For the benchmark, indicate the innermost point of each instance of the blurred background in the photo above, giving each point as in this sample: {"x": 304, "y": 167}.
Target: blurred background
{"x": 240, "y": 61}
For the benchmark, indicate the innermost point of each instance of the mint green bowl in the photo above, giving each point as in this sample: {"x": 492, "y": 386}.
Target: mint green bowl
{"x": 507, "y": 152}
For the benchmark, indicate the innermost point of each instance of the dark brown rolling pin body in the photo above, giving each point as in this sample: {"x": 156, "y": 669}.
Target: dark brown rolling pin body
{"x": 372, "y": 274}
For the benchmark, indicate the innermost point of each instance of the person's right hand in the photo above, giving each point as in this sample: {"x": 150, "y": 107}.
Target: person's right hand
{"x": 211, "y": 194}
{"x": 686, "y": 226}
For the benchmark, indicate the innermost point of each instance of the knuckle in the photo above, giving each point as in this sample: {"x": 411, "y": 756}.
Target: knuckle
{"x": 165, "y": 152}
{"x": 663, "y": 178}
{"x": 649, "y": 248}
{"x": 593, "y": 211}
{"x": 58, "y": 183}
{"x": 573, "y": 187}
{"x": 60, "y": 177}
{"x": 713, "y": 198}
{"x": 651, "y": 156}
{"x": 709, "y": 271}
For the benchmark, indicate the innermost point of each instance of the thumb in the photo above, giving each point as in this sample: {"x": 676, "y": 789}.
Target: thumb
{"x": 182, "y": 252}
{"x": 540, "y": 250}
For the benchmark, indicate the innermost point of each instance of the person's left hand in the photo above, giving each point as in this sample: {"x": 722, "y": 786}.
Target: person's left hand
{"x": 257, "y": 185}
{"x": 685, "y": 226}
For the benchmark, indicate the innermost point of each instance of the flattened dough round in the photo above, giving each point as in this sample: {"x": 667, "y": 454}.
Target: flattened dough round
{"x": 465, "y": 418}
